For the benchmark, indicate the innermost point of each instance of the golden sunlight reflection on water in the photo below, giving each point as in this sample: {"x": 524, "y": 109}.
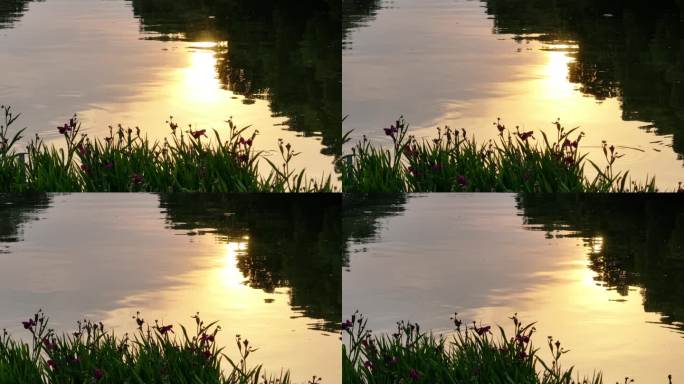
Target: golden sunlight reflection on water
{"x": 219, "y": 288}
{"x": 200, "y": 82}
{"x": 540, "y": 93}
{"x": 602, "y": 329}
{"x": 194, "y": 87}
{"x": 556, "y": 75}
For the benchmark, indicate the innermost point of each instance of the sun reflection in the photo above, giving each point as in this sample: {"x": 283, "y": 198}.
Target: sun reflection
{"x": 229, "y": 273}
{"x": 555, "y": 73}
{"x": 596, "y": 244}
{"x": 204, "y": 44}
{"x": 200, "y": 81}
{"x": 583, "y": 272}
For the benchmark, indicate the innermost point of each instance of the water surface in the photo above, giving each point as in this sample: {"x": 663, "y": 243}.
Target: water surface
{"x": 601, "y": 273}
{"x": 614, "y": 69}
{"x": 137, "y": 62}
{"x": 263, "y": 266}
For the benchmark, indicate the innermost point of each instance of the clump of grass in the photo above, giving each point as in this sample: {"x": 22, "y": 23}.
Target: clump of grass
{"x": 452, "y": 161}
{"x": 127, "y": 161}
{"x": 473, "y": 356}
{"x": 154, "y": 354}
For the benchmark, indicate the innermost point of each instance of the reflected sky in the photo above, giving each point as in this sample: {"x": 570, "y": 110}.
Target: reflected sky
{"x": 93, "y": 58}
{"x": 107, "y": 256}
{"x": 483, "y": 257}
{"x": 439, "y": 62}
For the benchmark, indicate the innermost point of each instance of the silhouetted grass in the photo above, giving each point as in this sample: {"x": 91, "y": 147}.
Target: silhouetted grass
{"x": 128, "y": 161}
{"x": 474, "y": 355}
{"x": 154, "y": 354}
{"x": 451, "y": 161}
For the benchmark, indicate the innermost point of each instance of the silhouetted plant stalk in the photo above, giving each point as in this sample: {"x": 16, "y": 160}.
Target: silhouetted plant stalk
{"x": 153, "y": 354}
{"x": 515, "y": 161}
{"x": 127, "y": 161}
{"x": 473, "y": 355}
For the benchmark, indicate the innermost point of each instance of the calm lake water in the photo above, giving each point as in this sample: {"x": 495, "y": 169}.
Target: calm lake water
{"x": 264, "y": 267}
{"x": 614, "y": 69}
{"x": 603, "y": 274}
{"x": 136, "y": 62}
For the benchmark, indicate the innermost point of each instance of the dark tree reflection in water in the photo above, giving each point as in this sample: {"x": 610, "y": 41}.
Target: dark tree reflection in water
{"x": 630, "y": 241}
{"x": 285, "y": 52}
{"x": 356, "y": 14}
{"x": 363, "y": 214}
{"x": 17, "y": 210}
{"x": 11, "y": 11}
{"x": 642, "y": 242}
{"x": 294, "y": 241}
{"x": 632, "y": 50}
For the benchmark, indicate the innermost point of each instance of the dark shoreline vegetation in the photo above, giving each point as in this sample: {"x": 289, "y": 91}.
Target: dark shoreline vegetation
{"x": 127, "y": 161}
{"x": 473, "y": 355}
{"x": 153, "y": 354}
{"x": 516, "y": 161}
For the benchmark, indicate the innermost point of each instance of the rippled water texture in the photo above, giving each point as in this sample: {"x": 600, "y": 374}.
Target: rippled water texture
{"x": 264, "y": 267}
{"x": 601, "y": 273}
{"x": 614, "y": 69}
